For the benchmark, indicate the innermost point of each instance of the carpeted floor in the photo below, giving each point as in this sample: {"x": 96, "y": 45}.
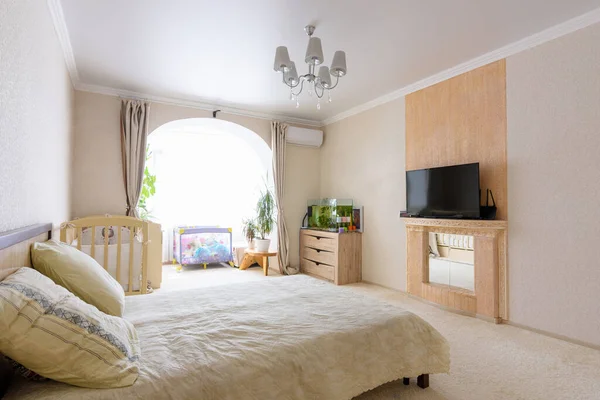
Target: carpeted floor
{"x": 214, "y": 274}
{"x": 488, "y": 361}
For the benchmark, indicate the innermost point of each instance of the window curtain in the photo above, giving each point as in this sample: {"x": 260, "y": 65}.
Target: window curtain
{"x": 167, "y": 244}
{"x": 134, "y": 135}
{"x": 278, "y": 136}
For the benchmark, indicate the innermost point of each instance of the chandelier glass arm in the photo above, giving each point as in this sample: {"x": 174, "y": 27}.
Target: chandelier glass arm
{"x": 291, "y": 86}
{"x": 301, "y": 83}
{"x": 317, "y": 87}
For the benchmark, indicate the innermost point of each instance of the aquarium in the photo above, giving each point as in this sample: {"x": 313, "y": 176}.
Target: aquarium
{"x": 330, "y": 214}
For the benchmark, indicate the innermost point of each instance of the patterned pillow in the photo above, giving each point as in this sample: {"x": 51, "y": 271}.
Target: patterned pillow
{"x": 52, "y": 332}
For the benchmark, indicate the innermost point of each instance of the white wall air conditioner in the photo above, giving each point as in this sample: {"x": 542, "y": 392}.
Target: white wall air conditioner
{"x": 304, "y": 137}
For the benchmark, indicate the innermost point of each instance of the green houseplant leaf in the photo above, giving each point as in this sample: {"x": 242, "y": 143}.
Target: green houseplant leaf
{"x": 249, "y": 229}
{"x": 265, "y": 213}
{"x": 148, "y": 189}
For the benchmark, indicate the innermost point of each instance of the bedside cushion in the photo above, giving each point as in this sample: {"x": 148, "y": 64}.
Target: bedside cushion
{"x": 80, "y": 274}
{"x": 55, "y": 334}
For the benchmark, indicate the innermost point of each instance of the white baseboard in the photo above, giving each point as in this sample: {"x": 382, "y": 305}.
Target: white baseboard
{"x": 554, "y": 335}
{"x": 492, "y": 320}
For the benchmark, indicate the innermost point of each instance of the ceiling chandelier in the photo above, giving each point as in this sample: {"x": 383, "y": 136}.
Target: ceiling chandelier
{"x": 317, "y": 84}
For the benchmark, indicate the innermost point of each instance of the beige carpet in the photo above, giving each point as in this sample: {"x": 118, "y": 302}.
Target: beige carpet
{"x": 488, "y": 361}
{"x": 214, "y": 274}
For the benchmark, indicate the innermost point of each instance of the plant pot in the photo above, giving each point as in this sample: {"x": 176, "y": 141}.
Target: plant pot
{"x": 251, "y": 244}
{"x": 262, "y": 245}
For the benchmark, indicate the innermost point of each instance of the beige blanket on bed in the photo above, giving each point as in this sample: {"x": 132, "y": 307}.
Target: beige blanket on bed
{"x": 283, "y": 338}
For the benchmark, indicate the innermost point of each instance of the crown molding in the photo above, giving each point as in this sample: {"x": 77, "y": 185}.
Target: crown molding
{"x": 62, "y": 32}
{"x": 84, "y": 87}
{"x": 529, "y": 42}
{"x": 60, "y": 26}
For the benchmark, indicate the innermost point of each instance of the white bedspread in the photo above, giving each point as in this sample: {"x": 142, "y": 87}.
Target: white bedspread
{"x": 284, "y": 338}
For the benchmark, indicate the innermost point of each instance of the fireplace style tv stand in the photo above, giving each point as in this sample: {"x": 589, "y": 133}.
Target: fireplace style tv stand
{"x": 489, "y": 299}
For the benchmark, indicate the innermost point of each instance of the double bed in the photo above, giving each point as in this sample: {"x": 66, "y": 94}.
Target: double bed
{"x": 286, "y": 338}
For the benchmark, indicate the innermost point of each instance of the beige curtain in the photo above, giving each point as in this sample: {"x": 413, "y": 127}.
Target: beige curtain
{"x": 134, "y": 134}
{"x": 278, "y": 135}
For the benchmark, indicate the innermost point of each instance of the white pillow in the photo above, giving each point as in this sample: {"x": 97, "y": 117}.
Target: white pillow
{"x": 55, "y": 334}
{"x": 80, "y": 274}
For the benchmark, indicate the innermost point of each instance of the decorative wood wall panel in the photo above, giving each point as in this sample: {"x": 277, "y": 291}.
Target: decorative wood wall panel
{"x": 462, "y": 120}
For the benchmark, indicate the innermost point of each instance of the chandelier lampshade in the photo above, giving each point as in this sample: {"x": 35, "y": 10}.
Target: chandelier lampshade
{"x": 324, "y": 77}
{"x": 291, "y": 76}
{"x": 314, "y": 52}
{"x": 282, "y": 60}
{"x": 338, "y": 65}
{"x": 316, "y": 84}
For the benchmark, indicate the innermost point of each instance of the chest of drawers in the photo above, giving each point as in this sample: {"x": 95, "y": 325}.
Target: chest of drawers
{"x": 336, "y": 257}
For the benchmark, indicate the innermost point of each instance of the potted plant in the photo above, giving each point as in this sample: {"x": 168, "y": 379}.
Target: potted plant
{"x": 265, "y": 220}
{"x": 249, "y": 229}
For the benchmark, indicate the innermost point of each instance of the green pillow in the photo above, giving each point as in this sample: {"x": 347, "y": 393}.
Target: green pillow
{"x": 80, "y": 274}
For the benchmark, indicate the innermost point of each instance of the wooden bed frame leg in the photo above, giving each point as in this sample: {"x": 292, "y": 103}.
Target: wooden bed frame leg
{"x": 406, "y": 381}
{"x": 423, "y": 381}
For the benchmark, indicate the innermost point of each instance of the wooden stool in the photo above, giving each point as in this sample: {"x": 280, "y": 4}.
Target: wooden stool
{"x": 261, "y": 258}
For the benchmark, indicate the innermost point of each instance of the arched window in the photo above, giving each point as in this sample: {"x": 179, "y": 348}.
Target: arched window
{"x": 209, "y": 172}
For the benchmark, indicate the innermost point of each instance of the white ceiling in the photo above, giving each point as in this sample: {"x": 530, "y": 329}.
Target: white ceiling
{"x": 221, "y": 52}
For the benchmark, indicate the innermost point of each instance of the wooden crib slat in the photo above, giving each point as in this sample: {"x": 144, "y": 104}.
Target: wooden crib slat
{"x": 106, "y": 234}
{"x": 63, "y": 234}
{"x": 131, "y": 239}
{"x": 144, "y": 282}
{"x": 93, "y": 247}
{"x": 118, "y": 277}
{"x": 79, "y": 237}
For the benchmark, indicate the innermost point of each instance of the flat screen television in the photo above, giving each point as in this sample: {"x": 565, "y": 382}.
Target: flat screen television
{"x": 444, "y": 192}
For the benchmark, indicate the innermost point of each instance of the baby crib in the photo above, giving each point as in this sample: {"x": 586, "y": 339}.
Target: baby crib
{"x": 128, "y": 248}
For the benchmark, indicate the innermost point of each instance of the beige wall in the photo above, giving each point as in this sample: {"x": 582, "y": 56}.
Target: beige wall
{"x": 363, "y": 158}
{"x": 98, "y": 182}
{"x": 35, "y": 118}
{"x": 97, "y": 175}
{"x": 553, "y": 103}
{"x": 553, "y": 94}
{"x": 302, "y": 177}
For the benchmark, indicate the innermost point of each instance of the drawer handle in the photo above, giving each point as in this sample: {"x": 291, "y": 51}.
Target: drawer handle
{"x": 318, "y": 251}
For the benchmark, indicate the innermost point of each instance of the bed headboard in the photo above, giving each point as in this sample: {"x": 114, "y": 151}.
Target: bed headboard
{"x": 15, "y": 245}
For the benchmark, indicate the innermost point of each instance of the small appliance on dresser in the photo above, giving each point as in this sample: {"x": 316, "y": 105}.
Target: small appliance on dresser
{"x": 336, "y": 257}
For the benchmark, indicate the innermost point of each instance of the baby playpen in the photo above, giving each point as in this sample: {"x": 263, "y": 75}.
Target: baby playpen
{"x": 202, "y": 245}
